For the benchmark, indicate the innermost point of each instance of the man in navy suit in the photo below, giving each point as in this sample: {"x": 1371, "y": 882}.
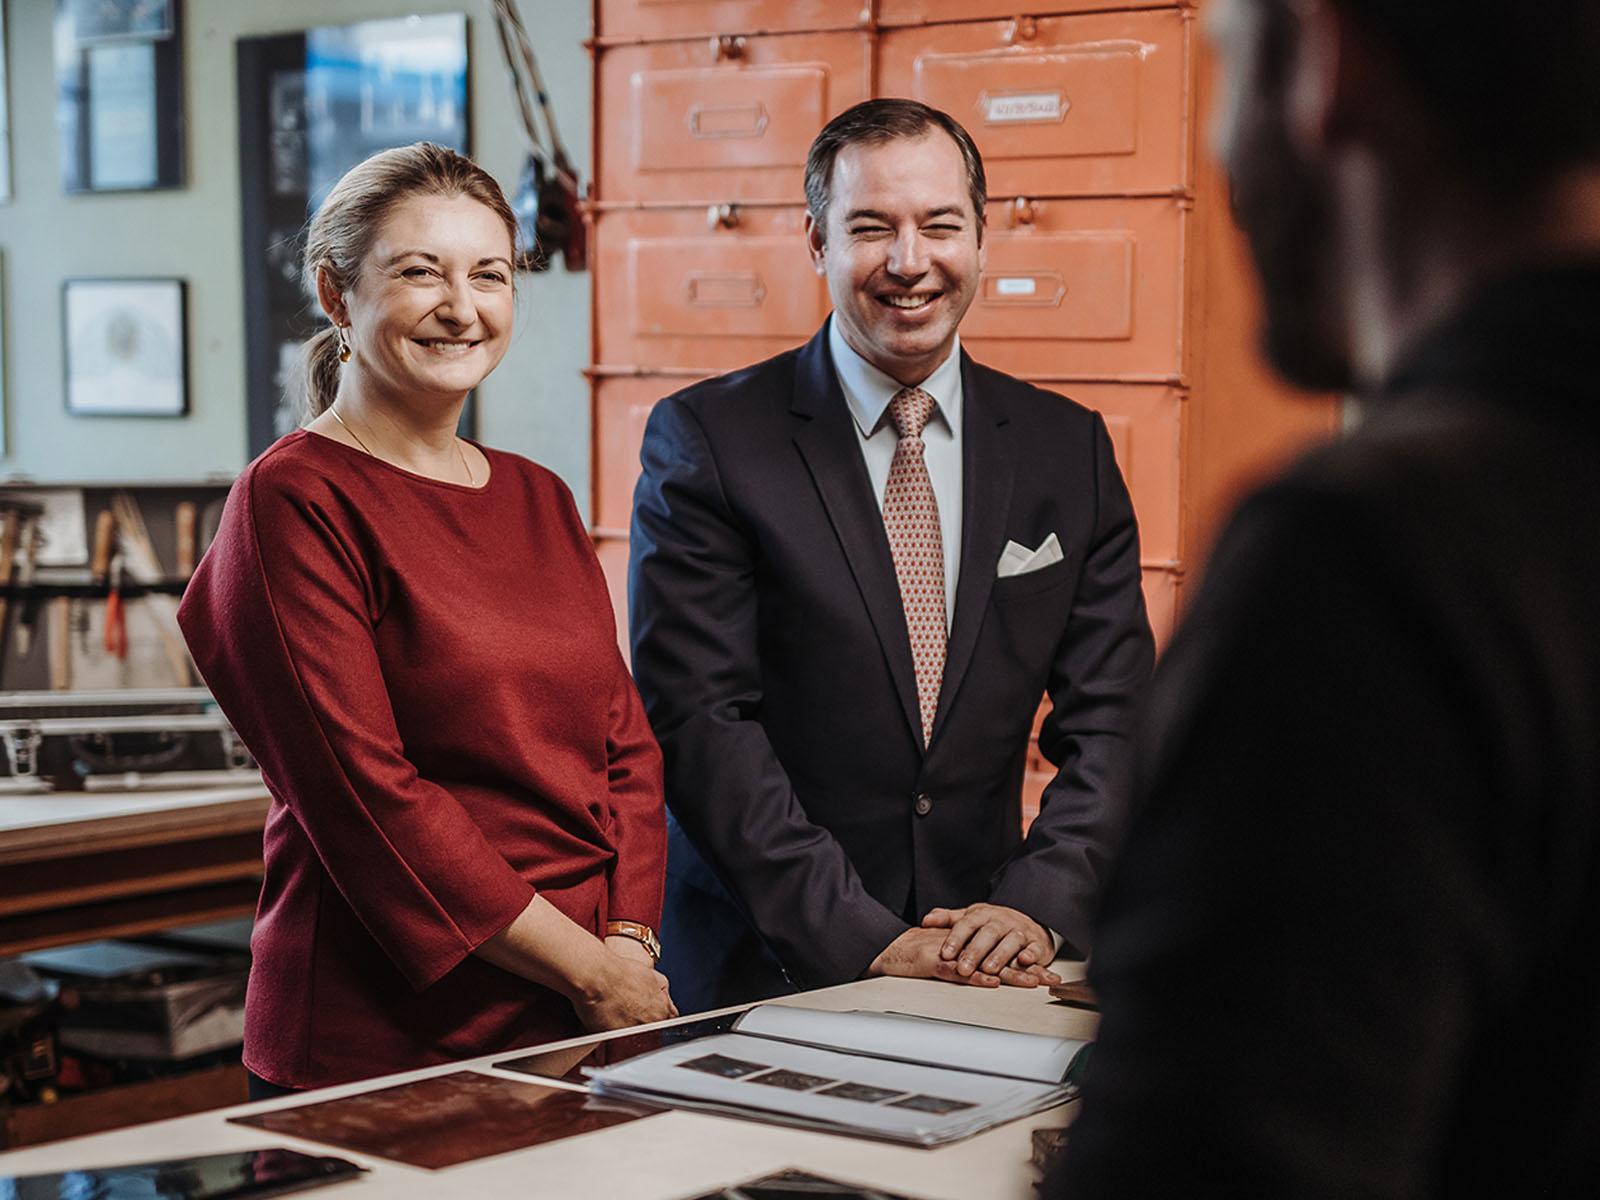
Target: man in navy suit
{"x": 856, "y": 569}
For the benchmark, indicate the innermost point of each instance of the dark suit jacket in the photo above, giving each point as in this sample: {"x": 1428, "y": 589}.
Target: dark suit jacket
{"x": 770, "y": 647}
{"x": 1349, "y": 948}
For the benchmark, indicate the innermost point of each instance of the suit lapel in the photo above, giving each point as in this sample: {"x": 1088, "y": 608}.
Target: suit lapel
{"x": 987, "y": 467}
{"x": 826, "y": 438}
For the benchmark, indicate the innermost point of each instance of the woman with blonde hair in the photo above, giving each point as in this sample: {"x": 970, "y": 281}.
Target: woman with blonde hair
{"x": 465, "y": 849}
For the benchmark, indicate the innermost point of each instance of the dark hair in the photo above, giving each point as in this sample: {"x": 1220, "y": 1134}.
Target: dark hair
{"x": 342, "y": 232}
{"x": 882, "y": 120}
{"x": 1514, "y": 90}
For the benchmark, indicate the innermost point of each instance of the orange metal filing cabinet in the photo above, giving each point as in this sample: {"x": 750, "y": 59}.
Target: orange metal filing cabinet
{"x": 689, "y": 288}
{"x": 926, "y": 12}
{"x": 631, "y": 20}
{"x": 1113, "y": 271}
{"x": 1059, "y": 106}
{"x": 721, "y": 119}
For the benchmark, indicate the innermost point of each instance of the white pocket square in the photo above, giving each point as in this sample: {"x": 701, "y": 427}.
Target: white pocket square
{"x": 1019, "y": 560}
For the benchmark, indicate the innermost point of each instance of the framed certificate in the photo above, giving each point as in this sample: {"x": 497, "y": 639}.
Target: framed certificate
{"x": 126, "y": 347}
{"x": 119, "y": 95}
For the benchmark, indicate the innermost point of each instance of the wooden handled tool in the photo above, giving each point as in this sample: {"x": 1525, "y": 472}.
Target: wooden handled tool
{"x": 105, "y": 529}
{"x": 185, "y": 517}
{"x": 29, "y": 611}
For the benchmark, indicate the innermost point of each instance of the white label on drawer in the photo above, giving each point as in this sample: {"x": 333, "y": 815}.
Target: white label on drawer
{"x": 1023, "y": 285}
{"x": 1011, "y": 108}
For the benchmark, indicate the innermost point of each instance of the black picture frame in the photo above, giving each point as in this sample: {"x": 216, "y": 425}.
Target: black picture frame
{"x": 119, "y": 95}
{"x": 125, "y": 346}
{"x": 279, "y": 176}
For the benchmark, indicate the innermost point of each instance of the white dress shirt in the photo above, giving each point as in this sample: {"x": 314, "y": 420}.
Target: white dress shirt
{"x": 868, "y": 391}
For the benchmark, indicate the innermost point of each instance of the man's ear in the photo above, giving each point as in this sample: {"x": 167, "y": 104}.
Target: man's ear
{"x": 330, "y": 297}
{"x": 814, "y": 243}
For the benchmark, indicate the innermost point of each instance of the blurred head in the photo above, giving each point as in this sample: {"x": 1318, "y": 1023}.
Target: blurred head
{"x": 895, "y": 194}
{"x": 1464, "y": 103}
{"x": 411, "y": 257}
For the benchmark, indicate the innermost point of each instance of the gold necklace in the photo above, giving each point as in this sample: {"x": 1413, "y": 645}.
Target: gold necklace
{"x": 460, "y": 453}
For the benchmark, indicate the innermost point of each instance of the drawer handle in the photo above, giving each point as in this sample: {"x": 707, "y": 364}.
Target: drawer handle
{"x": 1021, "y": 29}
{"x": 741, "y": 121}
{"x": 727, "y": 48}
{"x": 722, "y": 216}
{"x": 1029, "y": 289}
{"x": 729, "y": 290}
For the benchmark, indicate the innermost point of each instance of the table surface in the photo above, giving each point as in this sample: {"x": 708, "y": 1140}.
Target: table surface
{"x": 44, "y": 824}
{"x": 663, "y": 1157}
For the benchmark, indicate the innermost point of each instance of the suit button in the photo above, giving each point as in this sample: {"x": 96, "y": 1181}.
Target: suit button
{"x": 924, "y": 804}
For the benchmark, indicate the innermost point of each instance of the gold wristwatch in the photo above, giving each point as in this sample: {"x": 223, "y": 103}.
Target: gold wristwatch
{"x": 642, "y": 934}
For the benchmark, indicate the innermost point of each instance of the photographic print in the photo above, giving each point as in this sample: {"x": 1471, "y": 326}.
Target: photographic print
{"x": 863, "y": 1092}
{"x": 126, "y": 347}
{"x": 932, "y": 1104}
{"x": 794, "y": 1081}
{"x": 721, "y": 1064}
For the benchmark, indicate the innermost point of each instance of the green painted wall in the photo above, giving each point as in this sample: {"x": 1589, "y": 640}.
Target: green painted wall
{"x": 536, "y": 403}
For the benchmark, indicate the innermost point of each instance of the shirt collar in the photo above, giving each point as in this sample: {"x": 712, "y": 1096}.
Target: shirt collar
{"x": 867, "y": 390}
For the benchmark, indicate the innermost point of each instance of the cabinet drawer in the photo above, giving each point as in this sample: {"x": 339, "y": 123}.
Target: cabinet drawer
{"x": 627, "y": 19}
{"x": 686, "y": 122}
{"x": 622, "y": 405}
{"x": 1082, "y": 289}
{"x": 1090, "y": 105}
{"x": 1146, "y": 428}
{"x": 682, "y": 290}
{"x": 927, "y": 12}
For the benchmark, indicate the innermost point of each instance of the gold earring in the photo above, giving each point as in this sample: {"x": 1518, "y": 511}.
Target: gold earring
{"x": 344, "y": 344}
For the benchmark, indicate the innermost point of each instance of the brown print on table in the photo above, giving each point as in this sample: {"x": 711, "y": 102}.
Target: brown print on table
{"x": 794, "y": 1081}
{"x": 448, "y": 1119}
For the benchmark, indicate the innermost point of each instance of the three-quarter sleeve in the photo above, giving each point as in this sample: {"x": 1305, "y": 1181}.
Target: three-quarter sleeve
{"x": 280, "y": 620}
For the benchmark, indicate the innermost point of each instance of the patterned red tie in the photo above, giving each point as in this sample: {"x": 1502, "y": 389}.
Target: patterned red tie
{"x": 911, "y": 518}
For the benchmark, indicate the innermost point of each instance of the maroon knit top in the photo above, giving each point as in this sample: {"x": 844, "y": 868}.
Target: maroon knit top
{"x": 429, "y": 676}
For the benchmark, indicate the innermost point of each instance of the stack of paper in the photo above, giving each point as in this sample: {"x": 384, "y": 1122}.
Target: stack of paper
{"x": 881, "y": 1075}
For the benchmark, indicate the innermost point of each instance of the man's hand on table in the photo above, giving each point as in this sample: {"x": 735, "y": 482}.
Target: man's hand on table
{"x": 915, "y": 955}
{"x": 990, "y": 939}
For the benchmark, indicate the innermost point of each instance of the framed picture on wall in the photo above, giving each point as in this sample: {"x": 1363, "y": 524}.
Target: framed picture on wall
{"x": 119, "y": 95}
{"x": 312, "y": 104}
{"x": 126, "y": 347}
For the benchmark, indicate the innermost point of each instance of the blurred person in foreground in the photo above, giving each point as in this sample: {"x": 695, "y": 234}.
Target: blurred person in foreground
{"x": 1350, "y": 946}
{"x": 466, "y": 845}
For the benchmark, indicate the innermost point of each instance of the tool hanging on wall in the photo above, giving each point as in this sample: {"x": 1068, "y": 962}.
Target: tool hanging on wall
{"x": 548, "y": 203}
{"x": 116, "y": 635}
{"x": 28, "y": 615}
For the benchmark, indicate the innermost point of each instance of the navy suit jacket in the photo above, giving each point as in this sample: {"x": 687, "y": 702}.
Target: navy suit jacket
{"x": 770, "y": 646}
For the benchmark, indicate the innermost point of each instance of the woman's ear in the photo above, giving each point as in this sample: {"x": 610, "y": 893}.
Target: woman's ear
{"x": 329, "y": 295}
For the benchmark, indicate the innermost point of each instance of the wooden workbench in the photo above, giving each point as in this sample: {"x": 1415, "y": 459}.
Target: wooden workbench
{"x": 80, "y": 866}
{"x": 661, "y": 1157}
